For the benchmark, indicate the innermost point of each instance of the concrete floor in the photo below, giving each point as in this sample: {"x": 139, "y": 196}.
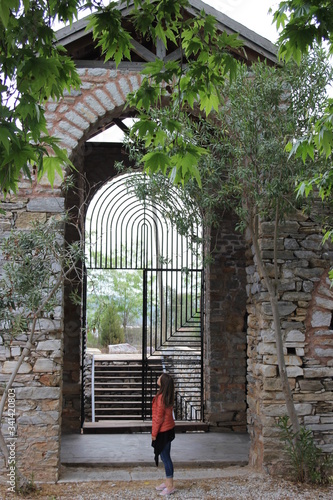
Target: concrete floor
{"x": 98, "y": 457}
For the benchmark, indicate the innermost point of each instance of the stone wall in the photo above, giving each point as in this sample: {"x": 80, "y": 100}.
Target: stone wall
{"x": 305, "y": 305}
{"x": 38, "y": 385}
{"x": 225, "y": 329}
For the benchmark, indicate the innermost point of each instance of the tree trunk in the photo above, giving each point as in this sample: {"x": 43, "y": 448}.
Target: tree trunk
{"x": 273, "y": 297}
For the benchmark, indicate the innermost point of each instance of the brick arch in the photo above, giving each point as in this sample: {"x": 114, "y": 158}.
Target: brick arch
{"x": 319, "y": 331}
{"x": 79, "y": 114}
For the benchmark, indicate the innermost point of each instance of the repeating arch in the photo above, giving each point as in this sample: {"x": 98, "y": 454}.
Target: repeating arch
{"x": 126, "y": 232}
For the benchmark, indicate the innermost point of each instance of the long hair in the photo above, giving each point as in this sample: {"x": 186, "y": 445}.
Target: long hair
{"x": 167, "y": 389}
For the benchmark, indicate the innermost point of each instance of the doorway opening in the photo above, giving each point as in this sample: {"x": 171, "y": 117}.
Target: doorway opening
{"x": 143, "y": 304}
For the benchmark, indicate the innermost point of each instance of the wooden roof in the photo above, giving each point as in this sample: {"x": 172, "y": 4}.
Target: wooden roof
{"x": 80, "y": 45}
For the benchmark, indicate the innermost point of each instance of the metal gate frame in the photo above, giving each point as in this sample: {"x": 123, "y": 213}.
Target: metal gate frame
{"x": 184, "y": 365}
{"x": 137, "y": 235}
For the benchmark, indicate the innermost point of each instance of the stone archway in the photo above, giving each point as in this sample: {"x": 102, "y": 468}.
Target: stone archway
{"x": 75, "y": 119}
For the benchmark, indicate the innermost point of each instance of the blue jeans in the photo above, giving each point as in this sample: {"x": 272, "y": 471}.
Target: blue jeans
{"x": 166, "y": 459}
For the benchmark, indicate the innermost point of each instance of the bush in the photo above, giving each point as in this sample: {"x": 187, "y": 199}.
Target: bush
{"x": 110, "y": 328}
{"x": 308, "y": 461}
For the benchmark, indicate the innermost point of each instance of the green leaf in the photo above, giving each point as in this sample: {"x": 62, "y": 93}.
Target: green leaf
{"x": 51, "y": 165}
{"x": 155, "y": 161}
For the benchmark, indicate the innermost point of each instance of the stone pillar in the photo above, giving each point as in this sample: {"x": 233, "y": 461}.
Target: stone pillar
{"x": 303, "y": 296}
{"x": 38, "y": 385}
{"x": 225, "y": 335}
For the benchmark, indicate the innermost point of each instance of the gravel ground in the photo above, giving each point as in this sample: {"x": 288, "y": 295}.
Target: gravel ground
{"x": 238, "y": 484}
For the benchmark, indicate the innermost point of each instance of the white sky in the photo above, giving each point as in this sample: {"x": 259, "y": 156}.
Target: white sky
{"x": 251, "y": 13}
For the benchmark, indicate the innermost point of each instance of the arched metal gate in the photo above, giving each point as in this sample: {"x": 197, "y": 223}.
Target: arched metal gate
{"x": 126, "y": 231}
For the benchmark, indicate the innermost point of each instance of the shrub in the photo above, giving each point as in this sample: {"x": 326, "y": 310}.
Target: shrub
{"x": 308, "y": 462}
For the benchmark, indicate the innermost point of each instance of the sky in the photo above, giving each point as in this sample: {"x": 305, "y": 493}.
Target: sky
{"x": 251, "y": 13}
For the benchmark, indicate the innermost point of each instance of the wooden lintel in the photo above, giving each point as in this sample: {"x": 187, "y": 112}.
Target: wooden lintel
{"x": 126, "y": 65}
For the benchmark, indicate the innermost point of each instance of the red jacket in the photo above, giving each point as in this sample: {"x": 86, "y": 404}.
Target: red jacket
{"x": 162, "y": 416}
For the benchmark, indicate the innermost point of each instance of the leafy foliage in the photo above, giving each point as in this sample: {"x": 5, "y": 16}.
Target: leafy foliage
{"x": 247, "y": 168}
{"x": 109, "y": 325}
{"x": 31, "y": 275}
{"x": 305, "y": 24}
{"x": 121, "y": 289}
{"x": 182, "y": 87}
{"x": 308, "y": 462}
{"x": 34, "y": 70}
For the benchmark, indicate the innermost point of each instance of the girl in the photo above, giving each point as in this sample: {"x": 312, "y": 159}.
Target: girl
{"x": 163, "y": 429}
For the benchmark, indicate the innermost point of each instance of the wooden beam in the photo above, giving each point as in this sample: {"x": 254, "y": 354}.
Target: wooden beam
{"x": 160, "y": 49}
{"x": 174, "y": 56}
{"x": 141, "y": 51}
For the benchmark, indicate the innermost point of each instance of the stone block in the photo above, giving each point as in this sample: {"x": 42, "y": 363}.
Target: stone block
{"x": 75, "y": 118}
{"x": 26, "y": 220}
{"x": 324, "y": 353}
{"x": 312, "y": 242}
{"x": 296, "y": 296}
{"x": 321, "y": 427}
{"x": 9, "y": 367}
{"x": 114, "y": 92}
{"x": 294, "y": 336}
{"x": 311, "y": 419}
{"x": 291, "y": 244}
{"x": 294, "y": 371}
{"x": 100, "y": 72}
{"x": 49, "y": 325}
{"x": 104, "y": 99}
{"x": 326, "y": 420}
{"x": 321, "y": 318}
{"x": 38, "y": 393}
{"x": 15, "y": 351}
{"x": 310, "y": 385}
{"x": 308, "y": 286}
{"x": 289, "y": 360}
{"x": 45, "y": 365}
{"x": 285, "y": 308}
{"x": 47, "y": 205}
{"x": 268, "y": 370}
{"x": 324, "y": 302}
{"x": 264, "y": 348}
{"x": 40, "y": 418}
{"x": 323, "y": 333}
{"x": 305, "y": 254}
{"x": 49, "y": 345}
{"x": 274, "y": 384}
{"x": 309, "y": 274}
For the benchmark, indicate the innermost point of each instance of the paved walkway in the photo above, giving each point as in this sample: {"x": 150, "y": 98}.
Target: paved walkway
{"x": 124, "y": 457}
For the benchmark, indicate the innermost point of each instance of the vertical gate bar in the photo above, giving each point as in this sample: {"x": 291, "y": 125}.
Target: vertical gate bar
{"x": 166, "y": 304}
{"x": 186, "y": 296}
{"x": 149, "y": 327}
{"x": 201, "y": 274}
{"x": 181, "y": 301}
{"x": 84, "y": 342}
{"x": 191, "y": 279}
{"x": 144, "y": 340}
{"x": 171, "y": 301}
{"x": 93, "y": 389}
